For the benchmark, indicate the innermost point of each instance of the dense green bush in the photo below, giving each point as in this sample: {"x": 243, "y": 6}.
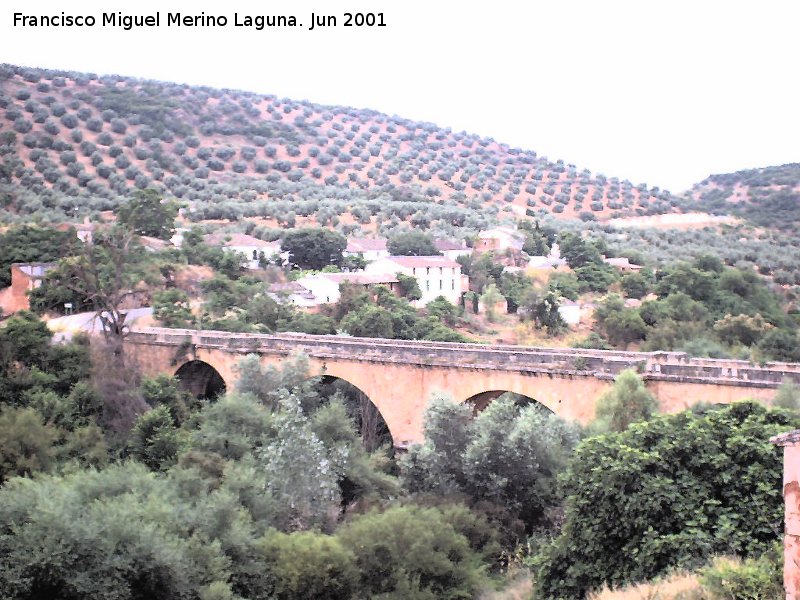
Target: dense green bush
{"x": 507, "y": 456}
{"x": 670, "y": 492}
{"x": 758, "y": 578}
{"x": 411, "y": 552}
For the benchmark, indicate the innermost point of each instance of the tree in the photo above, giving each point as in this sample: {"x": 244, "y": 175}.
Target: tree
{"x": 627, "y": 402}
{"x": 441, "y": 308}
{"x": 490, "y": 298}
{"x": 541, "y": 307}
{"x": 619, "y": 324}
{"x": 507, "y": 456}
{"x": 29, "y": 243}
{"x": 780, "y": 344}
{"x": 147, "y": 213}
{"x": 155, "y": 441}
{"x": 411, "y": 552}
{"x": 577, "y": 251}
{"x": 171, "y": 307}
{"x": 634, "y": 285}
{"x": 117, "y": 533}
{"x": 741, "y": 329}
{"x": 105, "y": 275}
{"x": 412, "y": 243}
{"x": 314, "y": 248}
{"x": 26, "y": 442}
{"x": 596, "y": 277}
{"x": 163, "y": 390}
{"x": 369, "y": 321}
{"x": 308, "y": 566}
{"x": 564, "y": 284}
{"x": 672, "y": 492}
{"x": 408, "y": 287}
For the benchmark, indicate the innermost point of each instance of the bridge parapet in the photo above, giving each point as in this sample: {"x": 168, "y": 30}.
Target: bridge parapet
{"x": 604, "y": 364}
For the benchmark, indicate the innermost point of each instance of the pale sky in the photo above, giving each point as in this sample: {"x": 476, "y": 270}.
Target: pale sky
{"x": 663, "y": 93}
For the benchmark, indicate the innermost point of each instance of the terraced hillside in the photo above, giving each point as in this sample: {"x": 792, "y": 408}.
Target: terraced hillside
{"x": 76, "y": 141}
{"x": 769, "y": 197}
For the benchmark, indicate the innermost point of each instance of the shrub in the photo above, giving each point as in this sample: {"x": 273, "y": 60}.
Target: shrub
{"x": 69, "y": 121}
{"x": 22, "y": 125}
{"x": 308, "y": 565}
{"x": 751, "y": 579}
{"x": 411, "y": 552}
{"x": 672, "y": 491}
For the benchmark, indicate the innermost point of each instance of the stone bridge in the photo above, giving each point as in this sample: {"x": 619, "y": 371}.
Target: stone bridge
{"x": 400, "y": 376}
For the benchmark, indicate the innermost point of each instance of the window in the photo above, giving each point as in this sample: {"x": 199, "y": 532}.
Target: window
{"x": 427, "y": 270}
{"x": 255, "y": 255}
{"x": 441, "y": 283}
{"x": 428, "y": 285}
{"x": 454, "y": 284}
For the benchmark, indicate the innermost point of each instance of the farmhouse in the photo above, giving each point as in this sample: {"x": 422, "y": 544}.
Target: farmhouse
{"x": 435, "y": 275}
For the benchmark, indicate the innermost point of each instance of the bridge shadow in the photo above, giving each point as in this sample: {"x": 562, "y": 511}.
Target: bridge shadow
{"x": 371, "y": 426}
{"x": 480, "y": 401}
{"x": 201, "y": 380}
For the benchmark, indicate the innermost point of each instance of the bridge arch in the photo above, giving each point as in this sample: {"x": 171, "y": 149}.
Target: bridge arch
{"x": 381, "y": 387}
{"x": 482, "y": 400}
{"x": 372, "y": 427}
{"x": 539, "y": 390}
{"x": 201, "y": 379}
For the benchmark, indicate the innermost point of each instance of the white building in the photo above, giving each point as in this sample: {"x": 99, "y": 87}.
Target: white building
{"x": 552, "y": 260}
{"x": 451, "y": 249}
{"x": 368, "y": 248}
{"x": 325, "y": 286}
{"x": 251, "y": 247}
{"x": 436, "y": 275}
{"x": 570, "y": 312}
{"x": 498, "y": 239}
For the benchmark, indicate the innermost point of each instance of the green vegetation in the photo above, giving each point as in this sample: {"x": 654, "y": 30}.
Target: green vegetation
{"x": 118, "y": 485}
{"x": 147, "y": 213}
{"x": 314, "y": 248}
{"x": 673, "y": 492}
{"x": 28, "y": 243}
{"x": 271, "y": 490}
{"x": 704, "y": 308}
{"x": 238, "y": 148}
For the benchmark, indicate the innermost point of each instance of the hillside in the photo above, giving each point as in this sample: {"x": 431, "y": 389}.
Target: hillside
{"x": 73, "y": 142}
{"x": 769, "y": 197}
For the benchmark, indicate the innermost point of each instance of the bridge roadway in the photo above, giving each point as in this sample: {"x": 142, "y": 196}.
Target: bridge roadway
{"x": 399, "y": 375}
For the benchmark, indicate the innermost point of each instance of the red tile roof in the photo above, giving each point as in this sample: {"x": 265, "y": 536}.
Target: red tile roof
{"x": 365, "y": 244}
{"x": 442, "y": 245}
{"x": 424, "y": 261}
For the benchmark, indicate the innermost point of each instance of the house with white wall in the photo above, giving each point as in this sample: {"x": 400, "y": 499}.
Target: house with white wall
{"x": 325, "y": 286}
{"x": 251, "y": 247}
{"x": 499, "y": 239}
{"x": 368, "y": 248}
{"x": 452, "y": 249}
{"x": 435, "y": 275}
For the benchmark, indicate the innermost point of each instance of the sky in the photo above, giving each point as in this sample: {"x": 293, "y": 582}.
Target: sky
{"x": 663, "y": 93}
